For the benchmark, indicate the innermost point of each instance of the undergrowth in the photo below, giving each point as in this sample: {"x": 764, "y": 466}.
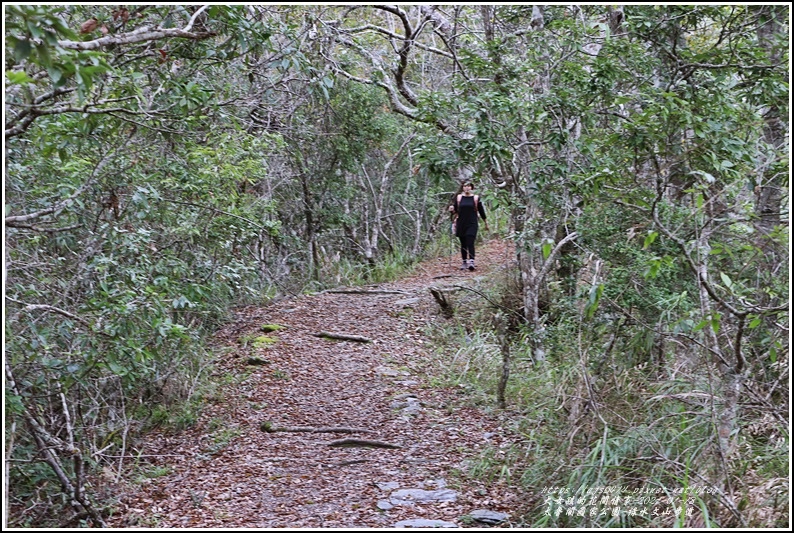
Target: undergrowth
{"x": 601, "y": 439}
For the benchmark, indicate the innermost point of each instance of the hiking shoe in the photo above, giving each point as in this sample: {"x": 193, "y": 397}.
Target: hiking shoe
{"x": 471, "y": 264}
{"x": 464, "y": 266}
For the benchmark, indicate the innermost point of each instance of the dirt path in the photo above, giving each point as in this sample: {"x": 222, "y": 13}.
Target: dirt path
{"x": 226, "y": 471}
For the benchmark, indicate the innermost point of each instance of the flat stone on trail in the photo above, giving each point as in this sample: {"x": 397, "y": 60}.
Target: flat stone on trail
{"x": 423, "y": 522}
{"x": 437, "y": 483}
{"x": 412, "y": 405}
{"x": 383, "y": 505}
{"x": 485, "y": 516}
{"x": 388, "y": 485}
{"x": 390, "y": 372}
{"x": 412, "y": 496}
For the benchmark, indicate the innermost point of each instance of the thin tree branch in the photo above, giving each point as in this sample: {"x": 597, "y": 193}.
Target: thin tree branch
{"x": 63, "y": 204}
{"x": 553, "y": 255}
{"x": 216, "y": 210}
{"x": 46, "y": 230}
{"x": 140, "y": 35}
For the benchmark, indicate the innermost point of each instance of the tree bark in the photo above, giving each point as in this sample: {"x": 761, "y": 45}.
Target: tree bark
{"x": 308, "y": 213}
{"x": 769, "y": 191}
{"x": 504, "y": 345}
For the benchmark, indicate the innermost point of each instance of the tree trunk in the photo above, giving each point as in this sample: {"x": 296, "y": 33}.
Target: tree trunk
{"x": 769, "y": 191}
{"x": 504, "y": 345}
{"x": 308, "y": 204}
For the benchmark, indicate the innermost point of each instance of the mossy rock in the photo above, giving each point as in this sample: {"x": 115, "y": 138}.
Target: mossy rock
{"x": 269, "y": 328}
{"x": 245, "y": 339}
{"x": 263, "y": 341}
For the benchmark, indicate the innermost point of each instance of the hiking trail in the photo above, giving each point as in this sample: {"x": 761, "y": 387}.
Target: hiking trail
{"x": 331, "y": 421}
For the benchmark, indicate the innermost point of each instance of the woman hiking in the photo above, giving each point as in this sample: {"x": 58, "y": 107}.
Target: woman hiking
{"x": 466, "y": 208}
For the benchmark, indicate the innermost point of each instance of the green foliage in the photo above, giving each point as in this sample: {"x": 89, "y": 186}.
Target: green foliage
{"x": 361, "y": 123}
{"x": 438, "y": 156}
{"x": 33, "y": 35}
{"x": 153, "y": 472}
{"x": 626, "y": 427}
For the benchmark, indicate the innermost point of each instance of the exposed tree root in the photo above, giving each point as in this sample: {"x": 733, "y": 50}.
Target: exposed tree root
{"x": 341, "y": 336}
{"x": 359, "y": 443}
{"x": 267, "y": 428}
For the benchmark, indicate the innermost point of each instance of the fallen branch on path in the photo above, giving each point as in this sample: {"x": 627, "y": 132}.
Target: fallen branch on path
{"x": 358, "y": 443}
{"x": 363, "y": 291}
{"x": 348, "y": 463}
{"x": 441, "y": 299}
{"x": 267, "y": 428}
{"x": 495, "y": 304}
{"x": 341, "y": 337}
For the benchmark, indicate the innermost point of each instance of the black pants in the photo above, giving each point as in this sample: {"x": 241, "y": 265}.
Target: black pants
{"x": 467, "y": 246}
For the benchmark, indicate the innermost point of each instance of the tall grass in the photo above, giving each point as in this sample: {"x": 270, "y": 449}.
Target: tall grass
{"x": 344, "y": 271}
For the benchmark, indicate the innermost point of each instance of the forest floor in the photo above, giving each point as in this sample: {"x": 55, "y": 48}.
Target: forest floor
{"x": 394, "y": 443}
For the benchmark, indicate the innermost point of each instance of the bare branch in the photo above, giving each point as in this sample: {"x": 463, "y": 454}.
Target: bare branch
{"x": 404, "y": 53}
{"x": 702, "y": 276}
{"x": 11, "y": 221}
{"x": 140, "y": 35}
{"x": 31, "y": 112}
{"x": 216, "y": 210}
{"x": 392, "y": 35}
{"x": 53, "y": 309}
{"x": 553, "y": 255}
{"x": 194, "y": 17}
